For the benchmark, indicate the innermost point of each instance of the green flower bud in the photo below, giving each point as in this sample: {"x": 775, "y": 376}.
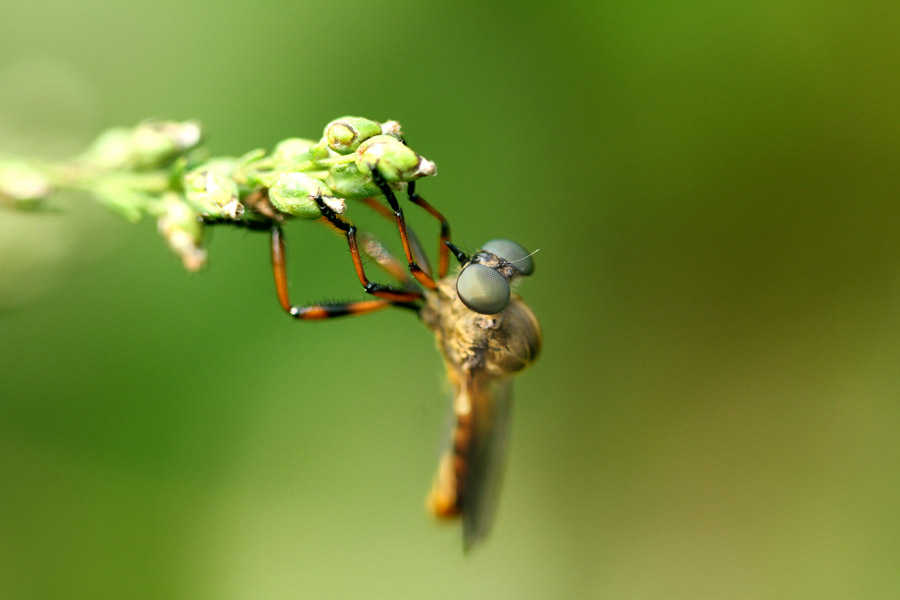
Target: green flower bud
{"x": 344, "y": 135}
{"x": 123, "y": 200}
{"x": 292, "y": 151}
{"x": 249, "y": 158}
{"x": 295, "y": 194}
{"x": 182, "y": 229}
{"x": 157, "y": 142}
{"x": 321, "y": 151}
{"x": 347, "y": 182}
{"x": 23, "y": 183}
{"x": 213, "y": 193}
{"x": 226, "y": 165}
{"x": 394, "y": 159}
{"x": 113, "y": 149}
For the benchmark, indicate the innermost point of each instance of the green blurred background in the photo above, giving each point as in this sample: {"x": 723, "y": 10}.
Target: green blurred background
{"x": 713, "y": 189}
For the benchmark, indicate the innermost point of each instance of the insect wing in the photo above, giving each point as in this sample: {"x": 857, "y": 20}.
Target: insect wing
{"x": 491, "y": 411}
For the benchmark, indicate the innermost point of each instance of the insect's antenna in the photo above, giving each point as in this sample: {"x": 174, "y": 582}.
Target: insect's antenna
{"x": 461, "y": 256}
{"x": 529, "y": 255}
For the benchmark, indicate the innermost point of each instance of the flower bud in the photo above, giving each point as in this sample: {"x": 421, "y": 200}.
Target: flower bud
{"x": 157, "y": 142}
{"x": 226, "y": 165}
{"x": 295, "y": 194}
{"x": 292, "y": 151}
{"x": 113, "y": 149}
{"x": 347, "y": 182}
{"x": 344, "y": 135}
{"x": 245, "y": 170}
{"x": 22, "y": 183}
{"x": 121, "y": 199}
{"x": 394, "y": 159}
{"x": 213, "y": 193}
{"x": 183, "y": 231}
{"x": 248, "y": 158}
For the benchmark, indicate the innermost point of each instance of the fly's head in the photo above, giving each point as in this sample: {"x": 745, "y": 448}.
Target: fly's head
{"x": 484, "y": 283}
{"x": 497, "y": 321}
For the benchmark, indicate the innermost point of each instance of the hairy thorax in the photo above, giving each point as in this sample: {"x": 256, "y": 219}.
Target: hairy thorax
{"x": 495, "y": 345}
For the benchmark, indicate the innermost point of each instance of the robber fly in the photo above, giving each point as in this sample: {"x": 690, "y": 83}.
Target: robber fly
{"x": 486, "y": 334}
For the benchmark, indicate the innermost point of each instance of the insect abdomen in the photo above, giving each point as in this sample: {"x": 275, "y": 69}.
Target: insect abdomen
{"x": 447, "y": 494}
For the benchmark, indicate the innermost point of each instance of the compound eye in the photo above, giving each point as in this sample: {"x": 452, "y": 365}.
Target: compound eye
{"x": 512, "y": 253}
{"x": 482, "y": 289}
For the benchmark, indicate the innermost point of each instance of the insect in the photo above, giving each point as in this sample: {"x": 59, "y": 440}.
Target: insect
{"x": 484, "y": 331}
{"x": 486, "y": 335}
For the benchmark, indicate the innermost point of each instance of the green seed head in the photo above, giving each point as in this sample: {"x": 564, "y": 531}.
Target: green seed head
{"x": 158, "y": 142}
{"x": 22, "y": 183}
{"x": 213, "y": 193}
{"x": 226, "y": 165}
{"x": 129, "y": 203}
{"x": 113, "y": 149}
{"x": 347, "y": 182}
{"x": 295, "y": 194}
{"x": 393, "y": 159}
{"x": 247, "y": 159}
{"x": 292, "y": 151}
{"x": 182, "y": 229}
{"x": 344, "y": 135}
{"x": 246, "y": 168}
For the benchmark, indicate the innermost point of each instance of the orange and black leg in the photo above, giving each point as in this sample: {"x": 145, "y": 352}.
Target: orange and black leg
{"x": 315, "y": 312}
{"x": 443, "y": 254}
{"x": 443, "y": 257}
{"x": 421, "y": 276}
{"x": 372, "y": 247}
{"x": 376, "y": 289}
{"x": 415, "y": 246}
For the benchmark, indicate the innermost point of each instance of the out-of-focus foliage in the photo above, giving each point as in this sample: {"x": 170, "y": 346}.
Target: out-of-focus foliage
{"x": 713, "y": 190}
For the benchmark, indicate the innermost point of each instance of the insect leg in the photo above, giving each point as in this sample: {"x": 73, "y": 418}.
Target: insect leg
{"x": 376, "y": 289}
{"x": 421, "y": 276}
{"x": 415, "y": 246}
{"x": 252, "y": 225}
{"x": 443, "y": 254}
{"x": 373, "y": 248}
{"x": 319, "y": 311}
